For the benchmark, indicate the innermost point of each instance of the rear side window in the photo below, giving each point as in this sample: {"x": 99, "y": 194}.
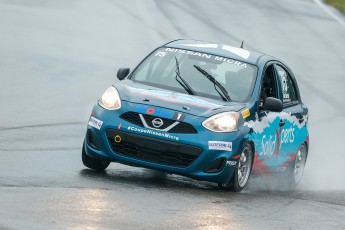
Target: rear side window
{"x": 287, "y": 85}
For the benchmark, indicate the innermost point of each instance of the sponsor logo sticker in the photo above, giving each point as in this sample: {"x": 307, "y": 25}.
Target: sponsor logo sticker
{"x": 179, "y": 116}
{"x": 220, "y": 145}
{"x": 231, "y": 163}
{"x": 245, "y": 113}
{"x": 153, "y": 132}
{"x": 150, "y": 111}
{"x": 159, "y": 112}
{"x": 94, "y": 122}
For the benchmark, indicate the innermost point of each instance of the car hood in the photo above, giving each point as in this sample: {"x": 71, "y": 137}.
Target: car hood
{"x": 198, "y": 106}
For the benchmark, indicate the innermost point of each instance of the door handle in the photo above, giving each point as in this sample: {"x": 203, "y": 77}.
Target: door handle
{"x": 281, "y": 123}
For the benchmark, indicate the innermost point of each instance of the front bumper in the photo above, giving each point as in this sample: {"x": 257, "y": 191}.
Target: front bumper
{"x": 186, "y": 154}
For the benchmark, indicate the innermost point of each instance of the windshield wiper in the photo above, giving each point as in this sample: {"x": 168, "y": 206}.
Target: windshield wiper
{"x": 223, "y": 94}
{"x": 182, "y": 82}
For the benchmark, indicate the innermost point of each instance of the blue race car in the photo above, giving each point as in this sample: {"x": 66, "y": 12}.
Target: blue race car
{"x": 203, "y": 110}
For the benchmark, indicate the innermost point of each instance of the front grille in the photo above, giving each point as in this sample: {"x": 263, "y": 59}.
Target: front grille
{"x": 152, "y": 149}
{"x": 181, "y": 127}
{"x": 166, "y": 122}
{"x": 132, "y": 117}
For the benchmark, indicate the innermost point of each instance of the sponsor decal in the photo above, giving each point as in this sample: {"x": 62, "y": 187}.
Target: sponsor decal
{"x": 209, "y": 56}
{"x": 94, "y": 122}
{"x": 159, "y": 112}
{"x": 119, "y": 126}
{"x": 275, "y": 145}
{"x": 284, "y": 81}
{"x": 287, "y": 135}
{"x": 153, "y": 132}
{"x": 220, "y": 145}
{"x": 284, "y": 78}
{"x": 160, "y": 53}
{"x": 238, "y": 51}
{"x": 260, "y": 125}
{"x": 179, "y": 116}
{"x": 189, "y": 52}
{"x": 231, "y": 163}
{"x": 245, "y": 113}
{"x": 286, "y": 95}
{"x": 150, "y": 111}
{"x": 268, "y": 145}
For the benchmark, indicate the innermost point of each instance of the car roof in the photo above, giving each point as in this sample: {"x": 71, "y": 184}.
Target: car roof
{"x": 226, "y": 51}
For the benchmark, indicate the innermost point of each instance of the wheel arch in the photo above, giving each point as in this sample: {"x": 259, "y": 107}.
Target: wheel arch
{"x": 251, "y": 143}
{"x": 306, "y": 143}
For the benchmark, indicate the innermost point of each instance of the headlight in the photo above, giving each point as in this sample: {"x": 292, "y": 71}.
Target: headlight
{"x": 110, "y": 99}
{"x": 222, "y": 122}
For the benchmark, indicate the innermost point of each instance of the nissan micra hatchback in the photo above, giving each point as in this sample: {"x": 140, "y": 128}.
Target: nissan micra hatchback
{"x": 207, "y": 111}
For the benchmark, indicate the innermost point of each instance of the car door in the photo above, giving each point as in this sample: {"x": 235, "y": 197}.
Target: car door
{"x": 294, "y": 117}
{"x": 269, "y": 138}
{"x": 266, "y": 128}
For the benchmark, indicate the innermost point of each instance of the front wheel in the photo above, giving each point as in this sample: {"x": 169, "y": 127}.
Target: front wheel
{"x": 242, "y": 171}
{"x": 93, "y": 163}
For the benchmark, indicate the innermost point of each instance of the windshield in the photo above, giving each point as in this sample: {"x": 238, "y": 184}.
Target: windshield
{"x": 174, "y": 69}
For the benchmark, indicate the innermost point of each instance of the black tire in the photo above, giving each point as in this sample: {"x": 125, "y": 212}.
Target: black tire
{"x": 93, "y": 163}
{"x": 243, "y": 165}
{"x": 296, "y": 168}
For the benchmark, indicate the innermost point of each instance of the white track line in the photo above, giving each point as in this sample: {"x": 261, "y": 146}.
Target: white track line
{"x": 327, "y": 10}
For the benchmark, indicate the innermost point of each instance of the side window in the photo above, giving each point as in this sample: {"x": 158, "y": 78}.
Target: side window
{"x": 288, "y": 88}
{"x": 268, "y": 85}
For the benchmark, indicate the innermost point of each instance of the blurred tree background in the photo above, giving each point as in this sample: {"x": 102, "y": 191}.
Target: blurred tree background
{"x": 339, "y": 4}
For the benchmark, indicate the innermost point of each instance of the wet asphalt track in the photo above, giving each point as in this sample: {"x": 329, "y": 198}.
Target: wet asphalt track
{"x": 57, "y": 57}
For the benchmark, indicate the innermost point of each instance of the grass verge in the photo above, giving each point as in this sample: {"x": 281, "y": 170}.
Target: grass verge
{"x": 339, "y": 4}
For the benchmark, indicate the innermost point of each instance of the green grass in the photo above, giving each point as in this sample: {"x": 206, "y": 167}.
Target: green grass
{"x": 339, "y": 4}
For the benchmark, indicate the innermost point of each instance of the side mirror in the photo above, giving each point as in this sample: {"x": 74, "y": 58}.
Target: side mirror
{"x": 273, "y": 104}
{"x": 122, "y": 73}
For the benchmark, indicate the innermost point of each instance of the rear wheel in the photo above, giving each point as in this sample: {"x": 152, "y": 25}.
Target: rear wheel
{"x": 242, "y": 171}
{"x": 297, "y": 167}
{"x": 93, "y": 163}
